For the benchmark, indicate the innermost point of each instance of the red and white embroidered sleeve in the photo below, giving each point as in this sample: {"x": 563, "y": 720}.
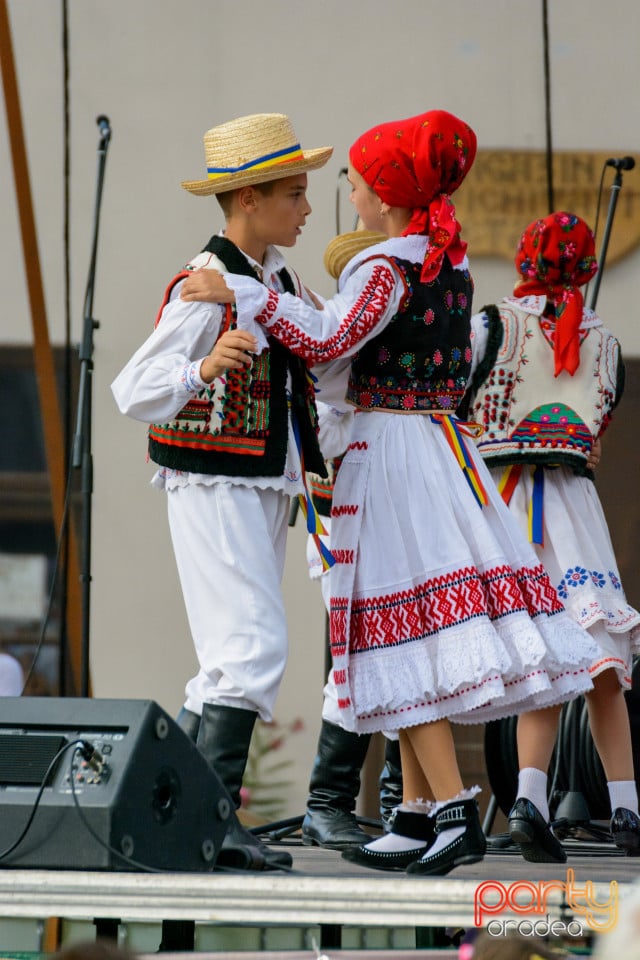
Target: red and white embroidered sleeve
{"x": 348, "y": 320}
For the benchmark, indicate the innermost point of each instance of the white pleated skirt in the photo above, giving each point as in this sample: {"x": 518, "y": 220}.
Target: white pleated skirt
{"x": 439, "y": 607}
{"x": 578, "y": 555}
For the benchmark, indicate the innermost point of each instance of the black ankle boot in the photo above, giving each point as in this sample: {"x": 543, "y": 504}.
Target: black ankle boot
{"x": 390, "y": 782}
{"x": 224, "y": 737}
{"x": 405, "y": 823}
{"x": 330, "y": 820}
{"x": 189, "y": 722}
{"x": 469, "y": 847}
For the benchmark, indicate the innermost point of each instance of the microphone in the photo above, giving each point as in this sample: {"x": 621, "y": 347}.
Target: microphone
{"x": 105, "y": 129}
{"x": 621, "y": 163}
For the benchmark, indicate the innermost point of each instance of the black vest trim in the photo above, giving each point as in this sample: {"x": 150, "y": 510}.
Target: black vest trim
{"x": 271, "y": 461}
{"x": 494, "y": 342}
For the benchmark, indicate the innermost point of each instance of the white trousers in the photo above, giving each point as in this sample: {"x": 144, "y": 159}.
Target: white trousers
{"x": 229, "y": 542}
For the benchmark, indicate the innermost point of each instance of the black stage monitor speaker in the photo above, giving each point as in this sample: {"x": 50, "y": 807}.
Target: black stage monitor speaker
{"x": 129, "y": 792}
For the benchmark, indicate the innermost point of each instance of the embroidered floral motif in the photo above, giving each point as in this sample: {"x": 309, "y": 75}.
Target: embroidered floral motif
{"x": 554, "y": 425}
{"x": 407, "y": 360}
{"x": 416, "y": 363}
{"x": 578, "y": 576}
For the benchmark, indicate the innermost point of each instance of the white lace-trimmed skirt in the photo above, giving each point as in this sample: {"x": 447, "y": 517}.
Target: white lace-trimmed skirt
{"x": 439, "y": 608}
{"x": 578, "y": 555}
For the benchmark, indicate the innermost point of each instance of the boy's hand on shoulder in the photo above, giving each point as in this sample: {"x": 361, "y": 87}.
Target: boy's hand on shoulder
{"x": 232, "y": 351}
{"x": 206, "y": 284}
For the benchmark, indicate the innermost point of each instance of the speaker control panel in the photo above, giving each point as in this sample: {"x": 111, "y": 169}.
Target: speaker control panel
{"x": 92, "y": 762}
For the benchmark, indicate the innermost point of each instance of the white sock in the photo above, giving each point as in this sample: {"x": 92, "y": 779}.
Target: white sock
{"x": 444, "y": 838}
{"x": 532, "y": 785}
{"x": 395, "y": 843}
{"x": 623, "y": 793}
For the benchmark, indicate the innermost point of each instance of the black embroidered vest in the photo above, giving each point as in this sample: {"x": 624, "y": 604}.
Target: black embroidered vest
{"x": 422, "y": 359}
{"x": 238, "y": 425}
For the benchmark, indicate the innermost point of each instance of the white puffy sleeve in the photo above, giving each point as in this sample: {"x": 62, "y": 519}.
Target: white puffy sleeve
{"x": 164, "y": 373}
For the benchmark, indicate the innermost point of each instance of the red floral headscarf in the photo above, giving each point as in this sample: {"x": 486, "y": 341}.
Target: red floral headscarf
{"x": 417, "y": 163}
{"x": 556, "y": 256}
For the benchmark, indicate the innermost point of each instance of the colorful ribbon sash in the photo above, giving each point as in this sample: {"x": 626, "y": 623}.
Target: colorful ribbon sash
{"x": 453, "y": 431}
{"x": 315, "y": 526}
{"x": 535, "y": 510}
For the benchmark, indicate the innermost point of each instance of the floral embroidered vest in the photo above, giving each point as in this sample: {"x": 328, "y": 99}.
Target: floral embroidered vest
{"x": 530, "y": 416}
{"x": 422, "y": 359}
{"x": 238, "y": 424}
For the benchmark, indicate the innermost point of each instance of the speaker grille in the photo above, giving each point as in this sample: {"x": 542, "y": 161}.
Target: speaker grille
{"x": 24, "y": 759}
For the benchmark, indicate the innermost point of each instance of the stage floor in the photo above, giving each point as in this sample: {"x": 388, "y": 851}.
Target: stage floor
{"x": 326, "y": 892}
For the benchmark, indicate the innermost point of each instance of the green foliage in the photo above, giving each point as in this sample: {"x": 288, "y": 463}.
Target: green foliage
{"x": 264, "y": 787}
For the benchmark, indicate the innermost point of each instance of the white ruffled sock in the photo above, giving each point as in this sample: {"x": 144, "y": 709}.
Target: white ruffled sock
{"x": 532, "y": 785}
{"x": 623, "y": 793}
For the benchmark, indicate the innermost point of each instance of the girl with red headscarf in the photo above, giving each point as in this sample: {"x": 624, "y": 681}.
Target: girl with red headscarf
{"x": 548, "y": 378}
{"x": 439, "y": 608}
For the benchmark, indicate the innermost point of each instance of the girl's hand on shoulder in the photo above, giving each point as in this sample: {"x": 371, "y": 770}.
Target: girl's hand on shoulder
{"x": 208, "y": 285}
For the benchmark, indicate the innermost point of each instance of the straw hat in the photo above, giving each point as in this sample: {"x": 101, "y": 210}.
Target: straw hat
{"x": 251, "y": 150}
{"x": 345, "y": 246}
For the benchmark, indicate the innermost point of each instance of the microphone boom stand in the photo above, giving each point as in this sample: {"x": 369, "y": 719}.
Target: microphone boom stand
{"x": 82, "y": 458}
{"x": 616, "y": 186}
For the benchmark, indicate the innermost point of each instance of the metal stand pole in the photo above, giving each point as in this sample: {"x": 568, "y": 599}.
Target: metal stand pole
{"x": 81, "y": 452}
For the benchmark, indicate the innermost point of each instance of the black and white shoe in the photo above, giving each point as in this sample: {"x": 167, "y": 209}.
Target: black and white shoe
{"x": 404, "y": 823}
{"x": 468, "y": 847}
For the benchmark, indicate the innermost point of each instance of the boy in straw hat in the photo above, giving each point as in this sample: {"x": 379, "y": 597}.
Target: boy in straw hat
{"x": 231, "y": 435}
{"x": 440, "y": 609}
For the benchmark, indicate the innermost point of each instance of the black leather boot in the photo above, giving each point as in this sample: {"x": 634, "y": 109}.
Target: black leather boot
{"x": 189, "y": 722}
{"x": 224, "y": 737}
{"x": 330, "y": 820}
{"x": 390, "y": 782}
